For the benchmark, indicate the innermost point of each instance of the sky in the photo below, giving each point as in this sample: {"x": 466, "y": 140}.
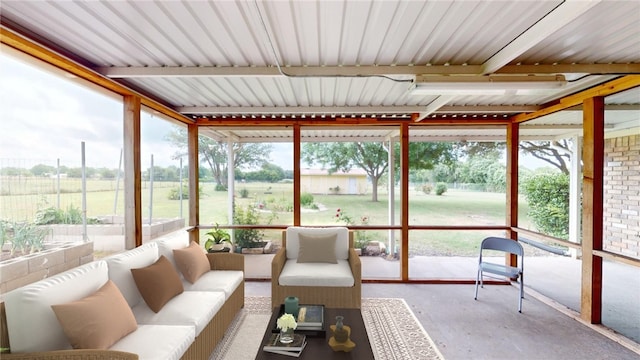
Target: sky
{"x": 45, "y": 116}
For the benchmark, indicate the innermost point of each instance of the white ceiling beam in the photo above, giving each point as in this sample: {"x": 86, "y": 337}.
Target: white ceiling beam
{"x": 307, "y": 71}
{"x": 347, "y": 110}
{"x": 337, "y": 71}
{"x": 563, "y": 14}
{"x": 434, "y": 106}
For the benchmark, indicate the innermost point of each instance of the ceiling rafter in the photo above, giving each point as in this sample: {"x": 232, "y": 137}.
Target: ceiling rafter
{"x": 563, "y": 14}
{"x": 372, "y": 70}
{"x": 239, "y": 110}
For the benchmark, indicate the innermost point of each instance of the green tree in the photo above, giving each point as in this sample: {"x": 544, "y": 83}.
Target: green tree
{"x": 214, "y": 153}
{"x": 41, "y": 170}
{"x": 343, "y": 156}
{"x": 548, "y": 199}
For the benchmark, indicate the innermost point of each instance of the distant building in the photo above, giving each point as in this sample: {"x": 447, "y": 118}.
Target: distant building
{"x": 319, "y": 181}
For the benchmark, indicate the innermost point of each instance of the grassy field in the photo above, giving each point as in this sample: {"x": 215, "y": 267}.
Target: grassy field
{"x": 453, "y": 208}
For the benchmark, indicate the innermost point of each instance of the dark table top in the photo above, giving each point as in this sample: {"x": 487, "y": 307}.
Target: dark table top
{"x": 318, "y": 347}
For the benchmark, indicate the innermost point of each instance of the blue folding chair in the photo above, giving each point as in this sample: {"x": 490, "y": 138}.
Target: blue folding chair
{"x": 512, "y": 272}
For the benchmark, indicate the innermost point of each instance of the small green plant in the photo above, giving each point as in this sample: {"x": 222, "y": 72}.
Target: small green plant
{"x": 216, "y": 236}
{"x": 246, "y": 216}
{"x": 335, "y": 189}
{"x": 306, "y": 199}
{"x": 361, "y": 239}
{"x": 441, "y": 188}
{"x": 426, "y": 188}
{"x": 244, "y": 193}
{"x": 27, "y": 238}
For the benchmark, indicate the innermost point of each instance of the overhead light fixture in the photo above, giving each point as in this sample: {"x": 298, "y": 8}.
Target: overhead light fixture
{"x": 487, "y": 85}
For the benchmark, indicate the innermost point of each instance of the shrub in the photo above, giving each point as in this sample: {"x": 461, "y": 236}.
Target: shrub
{"x": 246, "y": 216}
{"x": 174, "y": 193}
{"x": 244, "y": 193}
{"x": 548, "y": 199}
{"x": 220, "y": 187}
{"x": 306, "y": 199}
{"x": 441, "y": 188}
{"x": 426, "y": 188}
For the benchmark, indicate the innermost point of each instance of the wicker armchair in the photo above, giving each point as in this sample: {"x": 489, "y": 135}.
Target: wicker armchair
{"x": 332, "y": 296}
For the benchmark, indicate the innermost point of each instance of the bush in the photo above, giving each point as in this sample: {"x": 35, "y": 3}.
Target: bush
{"x": 306, "y": 199}
{"x": 244, "y": 193}
{"x": 548, "y": 199}
{"x": 174, "y": 193}
{"x": 441, "y": 188}
{"x": 51, "y": 215}
{"x": 246, "y": 216}
{"x": 426, "y": 188}
{"x": 220, "y": 187}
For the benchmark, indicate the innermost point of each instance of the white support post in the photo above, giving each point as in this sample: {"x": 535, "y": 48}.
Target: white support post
{"x": 231, "y": 178}
{"x": 575, "y": 183}
{"x": 391, "y": 204}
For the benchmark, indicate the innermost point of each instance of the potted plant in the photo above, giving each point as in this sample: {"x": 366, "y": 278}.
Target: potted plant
{"x": 217, "y": 239}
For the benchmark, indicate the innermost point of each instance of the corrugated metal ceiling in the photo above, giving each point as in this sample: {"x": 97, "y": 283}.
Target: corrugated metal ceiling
{"x": 220, "y": 59}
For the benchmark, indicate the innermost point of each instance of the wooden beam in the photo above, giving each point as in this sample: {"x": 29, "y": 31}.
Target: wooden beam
{"x": 513, "y": 147}
{"x": 132, "y": 167}
{"x": 609, "y": 88}
{"x": 297, "y": 187}
{"x": 194, "y": 167}
{"x": 431, "y": 121}
{"x": 592, "y": 209}
{"x": 404, "y": 201}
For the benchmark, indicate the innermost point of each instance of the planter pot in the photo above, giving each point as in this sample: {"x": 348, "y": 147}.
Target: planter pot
{"x": 217, "y": 247}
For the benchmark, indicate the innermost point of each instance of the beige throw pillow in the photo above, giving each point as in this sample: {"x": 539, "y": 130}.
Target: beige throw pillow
{"x": 191, "y": 261}
{"x": 158, "y": 283}
{"x": 98, "y": 320}
{"x": 317, "y": 248}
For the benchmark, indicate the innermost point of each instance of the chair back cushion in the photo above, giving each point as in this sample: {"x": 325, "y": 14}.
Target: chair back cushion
{"x": 293, "y": 239}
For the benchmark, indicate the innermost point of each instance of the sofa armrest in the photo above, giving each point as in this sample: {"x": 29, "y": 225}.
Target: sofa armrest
{"x": 277, "y": 263}
{"x": 72, "y": 355}
{"x": 226, "y": 261}
{"x": 356, "y": 266}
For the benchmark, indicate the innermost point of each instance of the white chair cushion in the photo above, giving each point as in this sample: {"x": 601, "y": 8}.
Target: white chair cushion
{"x": 153, "y": 342}
{"x": 293, "y": 240}
{"x": 195, "y": 308}
{"x": 120, "y": 266}
{"x": 316, "y": 274}
{"x": 217, "y": 280}
{"x": 33, "y": 326}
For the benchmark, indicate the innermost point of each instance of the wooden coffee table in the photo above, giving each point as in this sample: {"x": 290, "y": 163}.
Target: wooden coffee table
{"x": 318, "y": 347}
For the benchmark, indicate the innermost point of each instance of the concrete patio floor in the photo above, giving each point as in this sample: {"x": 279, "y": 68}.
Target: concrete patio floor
{"x": 553, "y": 279}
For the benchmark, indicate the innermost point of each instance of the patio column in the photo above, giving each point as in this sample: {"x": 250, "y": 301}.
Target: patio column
{"x": 231, "y": 179}
{"x": 575, "y": 189}
{"x": 194, "y": 200}
{"x": 592, "y": 227}
{"x": 133, "y": 173}
{"x": 392, "y": 197}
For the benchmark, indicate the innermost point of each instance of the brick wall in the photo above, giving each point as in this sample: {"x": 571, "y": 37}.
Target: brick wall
{"x": 622, "y": 195}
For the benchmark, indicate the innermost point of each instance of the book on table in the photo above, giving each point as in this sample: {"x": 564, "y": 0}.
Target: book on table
{"x": 273, "y": 345}
{"x": 310, "y": 317}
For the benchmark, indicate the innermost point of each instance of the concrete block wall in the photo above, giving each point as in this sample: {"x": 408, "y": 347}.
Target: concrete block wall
{"x": 56, "y": 258}
{"x": 622, "y": 195}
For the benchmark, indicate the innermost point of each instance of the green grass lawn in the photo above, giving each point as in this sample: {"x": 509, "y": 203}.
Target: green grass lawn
{"x": 454, "y": 208}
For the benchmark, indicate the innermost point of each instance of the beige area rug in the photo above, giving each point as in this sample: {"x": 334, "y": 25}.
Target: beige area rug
{"x": 394, "y": 331}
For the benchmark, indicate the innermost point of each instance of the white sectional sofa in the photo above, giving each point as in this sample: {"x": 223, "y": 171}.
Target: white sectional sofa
{"x": 188, "y": 326}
